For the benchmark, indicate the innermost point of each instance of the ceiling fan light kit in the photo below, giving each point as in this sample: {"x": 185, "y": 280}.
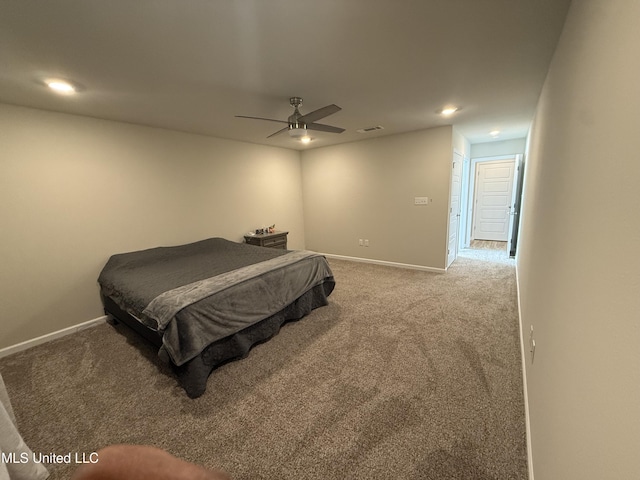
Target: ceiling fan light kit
{"x": 298, "y": 124}
{"x": 297, "y": 132}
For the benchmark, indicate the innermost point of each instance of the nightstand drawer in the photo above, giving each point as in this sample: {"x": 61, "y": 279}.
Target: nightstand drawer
{"x": 275, "y": 242}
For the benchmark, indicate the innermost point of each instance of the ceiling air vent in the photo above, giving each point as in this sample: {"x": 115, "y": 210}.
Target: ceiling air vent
{"x": 370, "y": 129}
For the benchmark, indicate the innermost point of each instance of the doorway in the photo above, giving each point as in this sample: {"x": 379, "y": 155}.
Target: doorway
{"x": 493, "y": 200}
{"x": 491, "y": 191}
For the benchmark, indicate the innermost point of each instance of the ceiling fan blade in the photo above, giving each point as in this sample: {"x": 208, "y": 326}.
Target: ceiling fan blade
{"x": 279, "y": 131}
{"x": 320, "y": 113}
{"x": 324, "y": 128}
{"x": 260, "y": 118}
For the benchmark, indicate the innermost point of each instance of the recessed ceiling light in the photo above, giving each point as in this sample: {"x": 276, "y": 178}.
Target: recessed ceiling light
{"x": 446, "y": 111}
{"x": 60, "y": 86}
{"x": 494, "y": 133}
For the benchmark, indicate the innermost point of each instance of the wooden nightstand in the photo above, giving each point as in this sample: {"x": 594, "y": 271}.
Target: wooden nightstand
{"x": 270, "y": 240}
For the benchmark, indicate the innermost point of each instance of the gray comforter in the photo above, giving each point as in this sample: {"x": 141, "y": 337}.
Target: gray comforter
{"x": 198, "y": 293}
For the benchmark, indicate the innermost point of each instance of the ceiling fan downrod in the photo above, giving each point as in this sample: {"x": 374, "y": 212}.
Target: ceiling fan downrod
{"x": 294, "y": 124}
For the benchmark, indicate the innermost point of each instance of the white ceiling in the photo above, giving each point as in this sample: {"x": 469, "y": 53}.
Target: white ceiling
{"x": 192, "y": 65}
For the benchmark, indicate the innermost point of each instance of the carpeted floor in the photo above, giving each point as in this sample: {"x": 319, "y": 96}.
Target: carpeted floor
{"x": 405, "y": 375}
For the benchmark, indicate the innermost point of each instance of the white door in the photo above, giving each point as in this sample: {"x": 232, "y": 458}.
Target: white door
{"x": 494, "y": 196}
{"x": 454, "y": 208}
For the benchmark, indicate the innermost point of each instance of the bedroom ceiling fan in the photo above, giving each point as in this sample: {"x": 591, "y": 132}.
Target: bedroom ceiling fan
{"x": 298, "y": 124}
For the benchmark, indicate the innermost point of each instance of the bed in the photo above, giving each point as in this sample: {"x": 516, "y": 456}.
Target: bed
{"x": 206, "y": 303}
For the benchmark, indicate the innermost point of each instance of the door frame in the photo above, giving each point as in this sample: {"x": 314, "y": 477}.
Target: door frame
{"x": 451, "y": 257}
{"x": 471, "y": 190}
{"x": 463, "y": 235}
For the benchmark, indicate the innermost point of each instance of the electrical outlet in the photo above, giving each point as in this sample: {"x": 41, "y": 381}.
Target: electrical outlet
{"x": 366, "y": 242}
{"x": 532, "y": 345}
{"x": 420, "y": 200}
{"x": 533, "y": 350}
{"x": 360, "y": 242}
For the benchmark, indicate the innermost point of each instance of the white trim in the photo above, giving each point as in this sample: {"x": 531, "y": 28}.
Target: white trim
{"x": 51, "y": 336}
{"x": 385, "y": 263}
{"x": 527, "y": 420}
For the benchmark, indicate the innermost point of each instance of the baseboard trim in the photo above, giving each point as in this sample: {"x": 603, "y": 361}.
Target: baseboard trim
{"x": 385, "y": 263}
{"x": 4, "y": 352}
{"x": 523, "y": 354}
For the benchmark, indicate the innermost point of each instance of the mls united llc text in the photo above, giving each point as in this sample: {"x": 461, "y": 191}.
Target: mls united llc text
{"x": 49, "y": 458}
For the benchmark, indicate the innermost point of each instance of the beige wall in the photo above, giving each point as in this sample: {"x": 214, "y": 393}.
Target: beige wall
{"x": 74, "y": 190}
{"x": 578, "y": 261}
{"x": 366, "y": 190}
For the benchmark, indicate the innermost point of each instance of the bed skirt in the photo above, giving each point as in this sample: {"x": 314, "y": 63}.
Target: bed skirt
{"x": 193, "y": 375}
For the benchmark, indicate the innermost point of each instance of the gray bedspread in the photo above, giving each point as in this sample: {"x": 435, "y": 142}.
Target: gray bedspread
{"x": 198, "y": 293}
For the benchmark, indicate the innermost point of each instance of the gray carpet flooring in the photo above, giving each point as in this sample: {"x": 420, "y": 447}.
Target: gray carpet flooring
{"x": 405, "y": 375}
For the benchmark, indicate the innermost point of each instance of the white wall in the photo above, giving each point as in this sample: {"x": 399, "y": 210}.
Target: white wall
{"x": 578, "y": 261}
{"x": 74, "y": 190}
{"x": 498, "y": 148}
{"x": 366, "y": 190}
{"x": 461, "y": 144}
